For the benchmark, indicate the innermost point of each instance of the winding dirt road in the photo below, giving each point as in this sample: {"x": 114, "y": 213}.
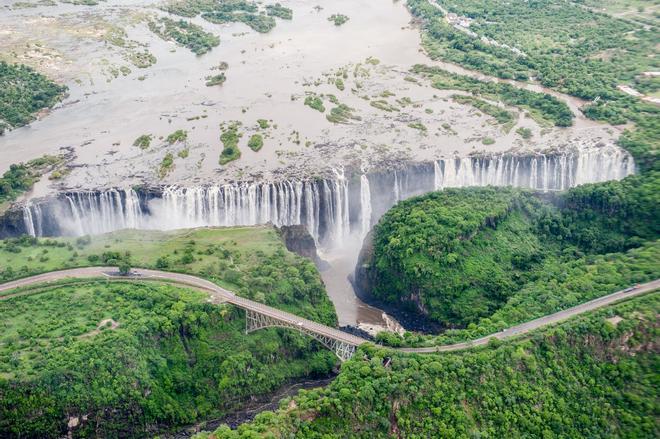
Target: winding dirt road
{"x": 221, "y": 295}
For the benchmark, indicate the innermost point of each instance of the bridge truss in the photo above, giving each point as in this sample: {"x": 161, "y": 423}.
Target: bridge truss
{"x": 255, "y": 320}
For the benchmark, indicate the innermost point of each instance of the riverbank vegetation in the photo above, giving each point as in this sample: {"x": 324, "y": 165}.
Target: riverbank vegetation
{"x": 575, "y": 50}
{"x": 263, "y": 124}
{"x": 21, "y": 177}
{"x": 143, "y": 141}
{"x": 545, "y": 109}
{"x": 316, "y": 102}
{"x": 185, "y": 33}
{"x": 338, "y": 19}
{"x": 502, "y": 116}
{"x": 279, "y": 11}
{"x": 235, "y": 11}
{"x": 23, "y": 93}
{"x": 525, "y": 133}
{"x": 142, "y": 60}
{"x": 129, "y": 359}
{"x": 177, "y": 136}
{"x": 166, "y": 165}
{"x": 258, "y": 22}
{"x": 589, "y": 377}
{"x": 342, "y": 114}
{"x": 218, "y": 79}
{"x": 256, "y": 142}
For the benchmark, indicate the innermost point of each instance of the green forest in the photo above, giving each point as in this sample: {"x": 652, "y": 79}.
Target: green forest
{"x": 592, "y": 377}
{"x": 137, "y": 358}
{"x": 487, "y": 258}
{"x": 96, "y": 358}
{"x": 23, "y": 93}
{"x": 562, "y": 45}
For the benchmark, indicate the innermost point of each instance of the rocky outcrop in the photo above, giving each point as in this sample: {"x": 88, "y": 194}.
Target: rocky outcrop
{"x": 12, "y": 223}
{"x": 298, "y": 240}
{"x": 362, "y": 279}
{"x": 408, "y": 311}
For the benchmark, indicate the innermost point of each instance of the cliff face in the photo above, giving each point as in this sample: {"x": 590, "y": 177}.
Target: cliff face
{"x": 298, "y": 240}
{"x": 363, "y": 280}
{"x": 11, "y": 223}
{"x": 409, "y": 311}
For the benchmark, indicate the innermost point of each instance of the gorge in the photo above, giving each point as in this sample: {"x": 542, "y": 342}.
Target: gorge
{"x": 457, "y": 182}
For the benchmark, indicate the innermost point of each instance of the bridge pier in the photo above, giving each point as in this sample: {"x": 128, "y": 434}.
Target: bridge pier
{"x": 255, "y": 321}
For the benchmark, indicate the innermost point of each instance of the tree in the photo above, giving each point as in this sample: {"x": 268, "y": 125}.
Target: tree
{"x": 124, "y": 267}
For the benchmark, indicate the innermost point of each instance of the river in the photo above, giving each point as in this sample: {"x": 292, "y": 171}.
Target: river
{"x": 269, "y": 76}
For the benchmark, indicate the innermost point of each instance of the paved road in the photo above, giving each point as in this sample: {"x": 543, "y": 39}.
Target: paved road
{"x": 217, "y": 293}
{"x": 550, "y": 319}
{"x": 221, "y": 295}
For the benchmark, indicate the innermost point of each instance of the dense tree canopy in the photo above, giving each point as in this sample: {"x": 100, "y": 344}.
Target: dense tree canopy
{"x": 564, "y": 46}
{"x": 23, "y": 92}
{"x": 460, "y": 255}
{"x": 169, "y": 358}
{"x": 593, "y": 377}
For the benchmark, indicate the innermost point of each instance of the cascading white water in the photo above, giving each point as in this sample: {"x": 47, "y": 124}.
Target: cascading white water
{"x": 75, "y": 214}
{"x": 540, "y": 172}
{"x": 37, "y": 219}
{"x": 437, "y": 176}
{"x": 365, "y": 205}
{"x": 325, "y": 207}
{"x": 29, "y": 220}
{"x": 397, "y": 187}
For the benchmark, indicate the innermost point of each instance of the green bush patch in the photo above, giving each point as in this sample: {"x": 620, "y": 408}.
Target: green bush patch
{"x": 338, "y": 19}
{"x": 256, "y": 142}
{"x": 185, "y": 33}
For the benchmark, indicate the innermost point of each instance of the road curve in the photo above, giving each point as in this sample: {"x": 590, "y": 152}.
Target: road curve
{"x": 221, "y": 295}
{"x": 217, "y": 293}
{"x": 549, "y": 319}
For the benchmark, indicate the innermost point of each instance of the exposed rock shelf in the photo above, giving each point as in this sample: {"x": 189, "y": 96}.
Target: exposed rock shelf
{"x": 332, "y": 209}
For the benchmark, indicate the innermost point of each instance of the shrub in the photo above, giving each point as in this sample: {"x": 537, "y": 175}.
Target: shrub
{"x": 256, "y": 142}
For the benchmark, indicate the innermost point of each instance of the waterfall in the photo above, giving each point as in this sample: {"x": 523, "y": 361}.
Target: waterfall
{"x": 397, "y": 189}
{"x": 341, "y": 209}
{"x": 75, "y": 213}
{"x": 437, "y": 176}
{"x": 331, "y": 209}
{"x": 365, "y": 205}
{"x": 28, "y": 220}
{"x": 533, "y": 177}
{"x": 449, "y": 176}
